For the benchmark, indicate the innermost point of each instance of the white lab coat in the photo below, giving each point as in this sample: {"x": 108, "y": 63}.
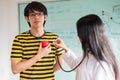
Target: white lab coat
{"x": 90, "y": 69}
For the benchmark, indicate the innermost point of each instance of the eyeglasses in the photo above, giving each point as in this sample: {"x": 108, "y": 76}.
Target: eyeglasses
{"x": 36, "y": 14}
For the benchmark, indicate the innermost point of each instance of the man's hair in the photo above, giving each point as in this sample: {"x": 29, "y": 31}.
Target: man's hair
{"x": 35, "y": 6}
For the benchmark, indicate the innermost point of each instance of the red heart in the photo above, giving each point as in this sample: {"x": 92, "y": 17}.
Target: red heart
{"x": 44, "y": 43}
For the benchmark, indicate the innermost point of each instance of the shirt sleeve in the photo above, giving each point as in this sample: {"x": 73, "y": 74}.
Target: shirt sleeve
{"x": 16, "y": 51}
{"x": 59, "y": 51}
{"x": 71, "y": 59}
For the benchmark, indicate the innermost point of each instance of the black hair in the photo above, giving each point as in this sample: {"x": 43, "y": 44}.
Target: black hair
{"x": 35, "y": 6}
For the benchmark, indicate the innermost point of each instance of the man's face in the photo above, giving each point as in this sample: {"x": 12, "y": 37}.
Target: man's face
{"x": 36, "y": 18}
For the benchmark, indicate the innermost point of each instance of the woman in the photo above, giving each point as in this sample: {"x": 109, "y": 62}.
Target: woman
{"x": 98, "y": 61}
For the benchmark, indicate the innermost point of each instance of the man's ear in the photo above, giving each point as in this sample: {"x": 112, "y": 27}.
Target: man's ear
{"x": 27, "y": 19}
{"x": 46, "y": 17}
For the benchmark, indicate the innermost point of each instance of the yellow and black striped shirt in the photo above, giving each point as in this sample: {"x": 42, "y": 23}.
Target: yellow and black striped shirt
{"x": 25, "y": 46}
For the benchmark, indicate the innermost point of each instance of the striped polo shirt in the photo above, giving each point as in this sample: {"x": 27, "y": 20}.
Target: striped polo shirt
{"x": 25, "y": 46}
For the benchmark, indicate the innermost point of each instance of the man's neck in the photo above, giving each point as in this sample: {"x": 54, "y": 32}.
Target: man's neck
{"x": 37, "y": 32}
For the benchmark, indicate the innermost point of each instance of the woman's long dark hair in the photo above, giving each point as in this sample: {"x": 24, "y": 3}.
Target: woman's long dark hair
{"x": 91, "y": 32}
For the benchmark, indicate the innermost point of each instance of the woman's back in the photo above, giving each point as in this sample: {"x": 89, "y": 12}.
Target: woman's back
{"x": 91, "y": 69}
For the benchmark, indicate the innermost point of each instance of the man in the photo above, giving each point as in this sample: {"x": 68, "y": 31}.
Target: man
{"x": 27, "y": 55}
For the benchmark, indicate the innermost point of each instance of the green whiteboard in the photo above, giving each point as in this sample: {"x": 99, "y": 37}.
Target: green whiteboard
{"x": 62, "y": 17}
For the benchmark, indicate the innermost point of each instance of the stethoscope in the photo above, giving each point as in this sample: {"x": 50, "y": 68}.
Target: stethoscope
{"x": 71, "y": 69}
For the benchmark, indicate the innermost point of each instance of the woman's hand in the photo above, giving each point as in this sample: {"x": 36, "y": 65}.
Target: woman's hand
{"x": 60, "y": 43}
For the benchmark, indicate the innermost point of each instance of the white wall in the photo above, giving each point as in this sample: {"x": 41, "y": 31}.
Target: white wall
{"x": 5, "y": 33}
{"x": 8, "y": 29}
